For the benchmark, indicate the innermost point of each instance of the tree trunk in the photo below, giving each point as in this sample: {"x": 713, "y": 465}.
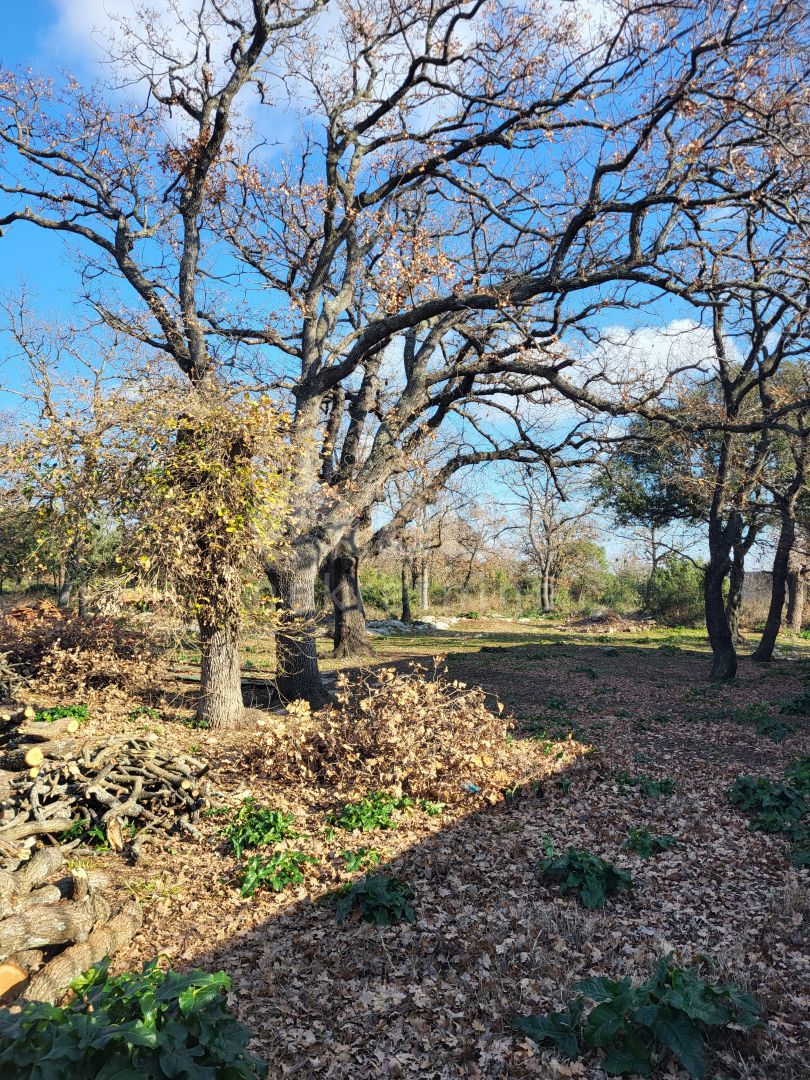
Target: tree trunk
{"x": 293, "y": 580}
{"x": 545, "y": 593}
{"x": 797, "y": 594}
{"x": 65, "y": 592}
{"x": 781, "y": 560}
{"x": 648, "y": 588}
{"x": 424, "y": 585}
{"x": 736, "y": 580}
{"x": 350, "y": 637}
{"x": 724, "y": 656}
{"x": 406, "y": 596}
{"x": 220, "y": 702}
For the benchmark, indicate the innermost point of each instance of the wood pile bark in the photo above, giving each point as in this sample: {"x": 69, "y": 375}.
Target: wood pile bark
{"x": 54, "y": 924}
{"x": 120, "y": 789}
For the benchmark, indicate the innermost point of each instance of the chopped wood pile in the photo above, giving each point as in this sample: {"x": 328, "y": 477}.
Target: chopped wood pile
{"x": 54, "y": 924}
{"x": 119, "y": 790}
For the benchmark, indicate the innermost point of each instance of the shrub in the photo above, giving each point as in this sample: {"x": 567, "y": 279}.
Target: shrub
{"x": 276, "y": 871}
{"x": 379, "y": 898}
{"x": 381, "y": 590}
{"x": 581, "y": 872}
{"x": 645, "y": 843}
{"x": 772, "y": 806}
{"x": 156, "y": 1023}
{"x": 634, "y": 1026}
{"x": 676, "y": 592}
{"x": 408, "y": 732}
{"x": 759, "y": 717}
{"x": 253, "y": 826}
{"x": 797, "y": 774}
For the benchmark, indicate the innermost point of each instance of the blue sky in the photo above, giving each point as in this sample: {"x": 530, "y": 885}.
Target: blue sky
{"x": 49, "y": 35}
{"x": 34, "y": 36}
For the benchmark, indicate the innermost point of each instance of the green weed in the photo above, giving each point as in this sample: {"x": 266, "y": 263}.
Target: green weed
{"x": 581, "y": 872}
{"x": 645, "y": 843}
{"x": 379, "y": 898}
{"x": 635, "y": 1026}
{"x": 253, "y": 826}
{"x": 275, "y": 871}
{"x": 647, "y": 785}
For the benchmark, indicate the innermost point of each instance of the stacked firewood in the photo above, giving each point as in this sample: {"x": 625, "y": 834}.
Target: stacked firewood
{"x": 59, "y": 789}
{"x": 121, "y": 790}
{"x": 54, "y": 924}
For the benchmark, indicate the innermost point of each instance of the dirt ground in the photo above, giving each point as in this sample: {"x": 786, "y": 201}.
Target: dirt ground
{"x": 436, "y": 999}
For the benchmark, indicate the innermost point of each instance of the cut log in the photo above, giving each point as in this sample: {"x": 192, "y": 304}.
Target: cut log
{"x": 29, "y": 960}
{"x": 11, "y": 980}
{"x": 39, "y": 868}
{"x": 14, "y": 888}
{"x": 51, "y": 924}
{"x": 16, "y": 716}
{"x": 27, "y": 758}
{"x": 50, "y": 983}
{"x": 35, "y": 828}
{"x": 46, "y": 729}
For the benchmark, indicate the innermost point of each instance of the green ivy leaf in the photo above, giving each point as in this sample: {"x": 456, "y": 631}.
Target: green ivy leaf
{"x": 679, "y": 1034}
{"x": 559, "y": 1028}
{"x": 631, "y": 1057}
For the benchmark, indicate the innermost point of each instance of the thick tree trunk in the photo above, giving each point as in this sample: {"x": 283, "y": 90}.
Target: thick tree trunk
{"x": 220, "y": 702}
{"x": 797, "y": 595}
{"x": 736, "y": 580}
{"x": 546, "y": 604}
{"x": 781, "y": 560}
{"x": 724, "y": 656}
{"x": 350, "y": 637}
{"x": 406, "y": 596}
{"x": 293, "y": 580}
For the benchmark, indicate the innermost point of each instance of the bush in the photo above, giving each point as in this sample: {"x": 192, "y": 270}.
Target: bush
{"x": 153, "y": 1024}
{"x": 634, "y": 1026}
{"x": 622, "y": 590}
{"x": 361, "y": 859}
{"x": 395, "y": 731}
{"x": 676, "y": 595}
{"x": 380, "y": 899}
{"x": 63, "y": 712}
{"x": 581, "y": 872}
{"x": 381, "y": 590}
